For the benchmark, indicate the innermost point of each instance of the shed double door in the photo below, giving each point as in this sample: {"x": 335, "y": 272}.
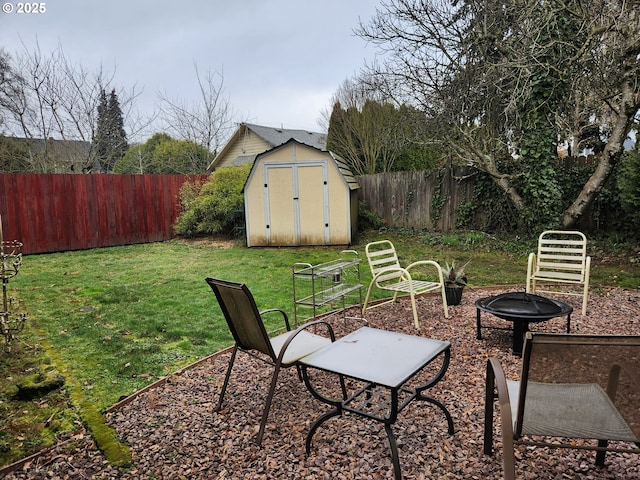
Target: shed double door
{"x": 296, "y": 203}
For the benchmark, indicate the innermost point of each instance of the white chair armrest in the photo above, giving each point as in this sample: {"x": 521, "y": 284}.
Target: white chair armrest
{"x": 431, "y": 263}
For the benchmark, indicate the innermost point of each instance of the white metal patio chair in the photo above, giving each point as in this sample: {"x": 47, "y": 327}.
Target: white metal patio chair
{"x": 561, "y": 260}
{"x": 388, "y": 275}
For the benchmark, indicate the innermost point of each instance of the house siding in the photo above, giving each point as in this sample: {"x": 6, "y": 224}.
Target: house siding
{"x": 246, "y": 146}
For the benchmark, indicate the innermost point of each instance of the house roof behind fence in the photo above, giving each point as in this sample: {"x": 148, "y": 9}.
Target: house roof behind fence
{"x": 278, "y": 136}
{"x": 273, "y": 137}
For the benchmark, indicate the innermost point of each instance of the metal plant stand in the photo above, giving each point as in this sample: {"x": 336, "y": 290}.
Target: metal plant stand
{"x": 327, "y": 284}
{"x": 10, "y": 261}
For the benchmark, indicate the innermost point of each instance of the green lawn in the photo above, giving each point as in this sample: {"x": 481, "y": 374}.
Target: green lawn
{"x": 113, "y": 320}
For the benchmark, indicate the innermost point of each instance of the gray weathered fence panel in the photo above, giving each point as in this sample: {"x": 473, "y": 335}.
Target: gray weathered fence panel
{"x": 407, "y": 199}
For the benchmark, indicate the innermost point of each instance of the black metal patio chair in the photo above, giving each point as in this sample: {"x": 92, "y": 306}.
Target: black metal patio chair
{"x": 248, "y": 330}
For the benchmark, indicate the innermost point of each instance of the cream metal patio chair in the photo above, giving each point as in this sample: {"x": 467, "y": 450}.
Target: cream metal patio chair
{"x": 248, "y": 330}
{"x": 561, "y": 260}
{"x": 388, "y": 275}
{"x": 571, "y": 387}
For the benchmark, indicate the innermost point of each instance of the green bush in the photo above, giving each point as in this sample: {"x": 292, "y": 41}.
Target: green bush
{"x": 218, "y": 206}
{"x": 165, "y": 155}
{"x": 629, "y": 187}
{"x": 368, "y": 219}
{"x": 189, "y": 194}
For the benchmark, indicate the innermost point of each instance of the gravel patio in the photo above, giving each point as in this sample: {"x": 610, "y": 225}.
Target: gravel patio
{"x": 174, "y": 433}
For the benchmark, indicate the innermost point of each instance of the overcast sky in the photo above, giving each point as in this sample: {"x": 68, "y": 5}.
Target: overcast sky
{"x": 281, "y": 59}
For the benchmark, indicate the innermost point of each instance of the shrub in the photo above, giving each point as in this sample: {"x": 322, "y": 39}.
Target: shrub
{"x": 189, "y": 194}
{"x": 368, "y": 219}
{"x": 165, "y": 155}
{"x": 218, "y": 206}
{"x": 629, "y": 187}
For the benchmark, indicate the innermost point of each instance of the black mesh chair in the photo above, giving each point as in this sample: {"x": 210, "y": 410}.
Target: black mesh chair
{"x": 248, "y": 330}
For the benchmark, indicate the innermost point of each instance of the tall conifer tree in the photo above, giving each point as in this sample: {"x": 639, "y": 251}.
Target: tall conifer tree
{"x": 110, "y": 140}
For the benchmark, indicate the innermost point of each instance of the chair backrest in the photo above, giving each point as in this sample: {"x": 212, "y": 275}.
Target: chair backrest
{"x": 242, "y": 315}
{"x": 585, "y": 360}
{"x": 562, "y": 255}
{"x": 382, "y": 255}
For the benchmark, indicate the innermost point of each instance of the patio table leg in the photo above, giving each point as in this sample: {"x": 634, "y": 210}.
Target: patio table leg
{"x": 394, "y": 451}
{"x": 432, "y": 382}
{"x": 330, "y": 414}
{"x": 450, "y": 426}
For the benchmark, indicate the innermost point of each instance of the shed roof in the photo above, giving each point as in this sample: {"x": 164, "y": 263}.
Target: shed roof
{"x": 345, "y": 171}
{"x": 343, "y": 168}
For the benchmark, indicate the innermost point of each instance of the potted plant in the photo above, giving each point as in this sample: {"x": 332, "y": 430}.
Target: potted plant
{"x": 455, "y": 279}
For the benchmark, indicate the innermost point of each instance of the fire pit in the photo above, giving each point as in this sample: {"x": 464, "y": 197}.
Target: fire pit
{"x": 521, "y": 308}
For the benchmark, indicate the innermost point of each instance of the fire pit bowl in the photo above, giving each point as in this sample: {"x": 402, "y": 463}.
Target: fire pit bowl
{"x": 521, "y": 308}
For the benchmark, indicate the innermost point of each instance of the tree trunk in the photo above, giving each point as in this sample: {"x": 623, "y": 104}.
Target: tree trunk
{"x": 486, "y": 163}
{"x": 613, "y": 150}
{"x": 511, "y": 192}
{"x": 588, "y": 193}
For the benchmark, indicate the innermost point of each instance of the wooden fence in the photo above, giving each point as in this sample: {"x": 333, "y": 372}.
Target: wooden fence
{"x": 418, "y": 199}
{"x": 54, "y": 212}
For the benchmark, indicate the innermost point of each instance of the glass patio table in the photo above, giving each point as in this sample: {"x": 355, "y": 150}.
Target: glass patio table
{"x": 383, "y": 362}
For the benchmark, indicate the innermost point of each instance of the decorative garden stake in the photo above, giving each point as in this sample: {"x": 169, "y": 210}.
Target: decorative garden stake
{"x": 10, "y": 261}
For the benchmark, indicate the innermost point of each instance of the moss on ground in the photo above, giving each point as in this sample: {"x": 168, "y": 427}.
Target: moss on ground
{"x": 39, "y": 405}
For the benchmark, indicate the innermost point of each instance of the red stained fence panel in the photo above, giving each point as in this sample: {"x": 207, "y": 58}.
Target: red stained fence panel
{"x": 54, "y": 213}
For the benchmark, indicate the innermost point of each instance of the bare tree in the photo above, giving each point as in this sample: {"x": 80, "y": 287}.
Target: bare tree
{"x": 506, "y": 80}
{"x": 58, "y": 99}
{"x": 206, "y": 121}
{"x": 367, "y": 129}
{"x": 10, "y": 82}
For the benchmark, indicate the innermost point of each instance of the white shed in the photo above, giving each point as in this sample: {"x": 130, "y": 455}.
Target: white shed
{"x": 297, "y": 194}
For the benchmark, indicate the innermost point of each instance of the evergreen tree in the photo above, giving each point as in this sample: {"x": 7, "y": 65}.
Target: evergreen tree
{"x": 110, "y": 140}
{"x": 376, "y": 137}
{"x": 119, "y": 136}
{"x": 100, "y": 135}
